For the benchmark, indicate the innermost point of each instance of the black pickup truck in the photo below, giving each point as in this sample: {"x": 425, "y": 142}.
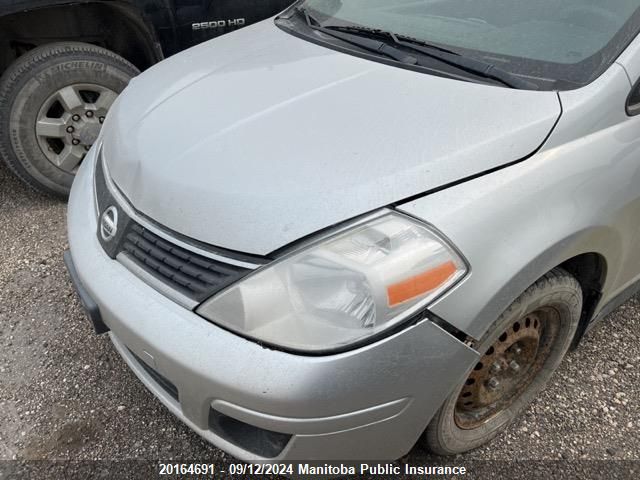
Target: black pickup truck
{"x": 63, "y": 62}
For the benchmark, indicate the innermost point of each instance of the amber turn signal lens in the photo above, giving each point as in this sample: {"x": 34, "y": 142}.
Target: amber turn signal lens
{"x": 420, "y": 284}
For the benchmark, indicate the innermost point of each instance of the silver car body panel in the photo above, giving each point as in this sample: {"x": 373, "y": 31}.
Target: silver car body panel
{"x": 579, "y": 194}
{"x": 244, "y": 171}
{"x": 330, "y": 404}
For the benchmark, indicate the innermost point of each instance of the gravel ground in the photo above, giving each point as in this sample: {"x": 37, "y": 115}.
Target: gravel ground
{"x": 66, "y": 394}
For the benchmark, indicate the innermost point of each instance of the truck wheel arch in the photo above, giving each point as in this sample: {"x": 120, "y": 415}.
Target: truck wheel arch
{"x": 117, "y": 26}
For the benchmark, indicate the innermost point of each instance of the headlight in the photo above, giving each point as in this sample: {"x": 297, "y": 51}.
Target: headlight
{"x": 342, "y": 290}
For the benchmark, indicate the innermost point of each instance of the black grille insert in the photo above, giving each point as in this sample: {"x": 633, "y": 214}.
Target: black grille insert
{"x": 253, "y": 439}
{"x": 194, "y": 275}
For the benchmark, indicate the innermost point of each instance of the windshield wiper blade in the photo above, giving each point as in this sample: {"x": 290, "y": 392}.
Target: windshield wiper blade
{"x": 471, "y": 65}
{"x": 361, "y": 30}
{"x": 450, "y": 57}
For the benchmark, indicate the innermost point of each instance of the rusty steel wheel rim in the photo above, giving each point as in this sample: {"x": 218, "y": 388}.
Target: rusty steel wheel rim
{"x": 507, "y": 368}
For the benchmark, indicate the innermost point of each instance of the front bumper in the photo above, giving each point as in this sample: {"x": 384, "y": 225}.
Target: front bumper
{"x": 367, "y": 404}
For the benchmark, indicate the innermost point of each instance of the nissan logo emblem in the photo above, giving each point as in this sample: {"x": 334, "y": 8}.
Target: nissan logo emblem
{"x": 109, "y": 223}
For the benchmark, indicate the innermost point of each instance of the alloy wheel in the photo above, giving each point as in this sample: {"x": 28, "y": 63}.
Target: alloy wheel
{"x": 69, "y": 122}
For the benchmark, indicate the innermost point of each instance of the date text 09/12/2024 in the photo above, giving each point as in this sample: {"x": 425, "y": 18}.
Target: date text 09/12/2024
{"x": 308, "y": 469}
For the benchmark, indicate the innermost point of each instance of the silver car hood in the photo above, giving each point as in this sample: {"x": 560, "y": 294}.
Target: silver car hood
{"x": 259, "y": 138}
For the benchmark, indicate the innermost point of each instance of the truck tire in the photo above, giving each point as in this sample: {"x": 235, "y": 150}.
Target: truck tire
{"x": 53, "y": 101}
{"x": 521, "y": 351}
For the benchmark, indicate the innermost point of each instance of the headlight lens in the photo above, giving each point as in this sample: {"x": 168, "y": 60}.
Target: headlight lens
{"x": 342, "y": 290}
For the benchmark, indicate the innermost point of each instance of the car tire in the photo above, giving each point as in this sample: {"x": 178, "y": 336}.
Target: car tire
{"x": 52, "y": 102}
{"x": 495, "y": 390}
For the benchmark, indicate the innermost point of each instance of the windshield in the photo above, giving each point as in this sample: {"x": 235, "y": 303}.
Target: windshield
{"x": 570, "y": 40}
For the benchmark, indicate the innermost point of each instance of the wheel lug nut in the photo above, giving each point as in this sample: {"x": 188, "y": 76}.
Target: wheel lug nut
{"x": 75, "y": 118}
{"x": 514, "y": 365}
{"x": 75, "y": 141}
{"x": 70, "y": 129}
{"x": 493, "y": 383}
{"x": 89, "y": 114}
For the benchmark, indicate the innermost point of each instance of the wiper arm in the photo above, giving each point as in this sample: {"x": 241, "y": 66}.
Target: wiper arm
{"x": 367, "y": 43}
{"x": 365, "y": 37}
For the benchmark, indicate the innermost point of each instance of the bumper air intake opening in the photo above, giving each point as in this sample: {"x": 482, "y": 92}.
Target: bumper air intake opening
{"x": 258, "y": 441}
{"x": 162, "y": 381}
